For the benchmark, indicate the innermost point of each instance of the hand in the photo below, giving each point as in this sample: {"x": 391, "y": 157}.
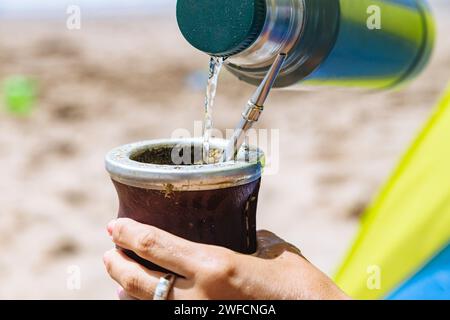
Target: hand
{"x": 276, "y": 271}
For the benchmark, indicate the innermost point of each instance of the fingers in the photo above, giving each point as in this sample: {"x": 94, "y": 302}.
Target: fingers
{"x": 157, "y": 246}
{"x": 270, "y": 246}
{"x": 123, "y": 295}
{"x": 267, "y": 239}
{"x": 137, "y": 281}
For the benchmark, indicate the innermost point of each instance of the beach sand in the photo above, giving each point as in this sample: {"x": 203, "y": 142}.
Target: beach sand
{"x": 120, "y": 81}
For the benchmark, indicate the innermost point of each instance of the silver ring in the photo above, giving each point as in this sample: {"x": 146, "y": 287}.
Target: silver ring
{"x": 164, "y": 286}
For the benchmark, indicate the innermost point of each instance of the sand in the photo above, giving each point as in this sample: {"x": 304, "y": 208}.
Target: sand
{"x": 119, "y": 81}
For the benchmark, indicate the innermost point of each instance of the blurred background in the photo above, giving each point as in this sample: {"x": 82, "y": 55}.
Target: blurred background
{"x": 70, "y": 95}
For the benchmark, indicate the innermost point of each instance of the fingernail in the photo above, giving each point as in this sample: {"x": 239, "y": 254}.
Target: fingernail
{"x": 107, "y": 255}
{"x": 105, "y": 258}
{"x": 110, "y": 227}
{"x": 123, "y": 295}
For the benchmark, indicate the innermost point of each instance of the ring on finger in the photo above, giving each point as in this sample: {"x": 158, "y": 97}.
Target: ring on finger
{"x": 164, "y": 287}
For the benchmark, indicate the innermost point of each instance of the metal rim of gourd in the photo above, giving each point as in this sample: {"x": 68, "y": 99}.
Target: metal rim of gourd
{"x": 245, "y": 169}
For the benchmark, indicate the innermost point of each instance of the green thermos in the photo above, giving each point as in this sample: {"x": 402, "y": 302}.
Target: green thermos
{"x": 353, "y": 43}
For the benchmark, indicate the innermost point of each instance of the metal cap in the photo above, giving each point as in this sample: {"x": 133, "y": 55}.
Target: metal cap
{"x": 221, "y": 28}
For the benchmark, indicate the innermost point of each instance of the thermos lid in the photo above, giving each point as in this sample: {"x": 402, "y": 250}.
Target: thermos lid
{"x": 221, "y": 27}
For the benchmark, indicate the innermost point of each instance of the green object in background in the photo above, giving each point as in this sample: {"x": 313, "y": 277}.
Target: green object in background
{"x": 19, "y": 94}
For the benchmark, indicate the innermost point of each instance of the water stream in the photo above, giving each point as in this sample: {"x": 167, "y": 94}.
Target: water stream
{"x": 215, "y": 65}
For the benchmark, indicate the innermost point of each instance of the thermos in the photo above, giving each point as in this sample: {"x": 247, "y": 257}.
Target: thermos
{"x": 353, "y": 43}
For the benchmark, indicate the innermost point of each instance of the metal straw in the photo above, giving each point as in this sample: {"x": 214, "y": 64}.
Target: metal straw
{"x": 255, "y": 107}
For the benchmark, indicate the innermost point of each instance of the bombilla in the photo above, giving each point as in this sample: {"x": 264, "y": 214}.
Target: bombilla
{"x": 255, "y": 107}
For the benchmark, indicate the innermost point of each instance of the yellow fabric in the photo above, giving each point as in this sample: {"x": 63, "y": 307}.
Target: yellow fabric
{"x": 409, "y": 222}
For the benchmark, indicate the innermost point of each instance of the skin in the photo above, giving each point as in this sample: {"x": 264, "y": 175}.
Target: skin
{"x": 277, "y": 271}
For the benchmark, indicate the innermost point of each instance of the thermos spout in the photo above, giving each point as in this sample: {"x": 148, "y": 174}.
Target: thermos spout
{"x": 255, "y": 107}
